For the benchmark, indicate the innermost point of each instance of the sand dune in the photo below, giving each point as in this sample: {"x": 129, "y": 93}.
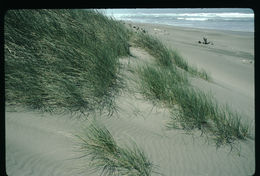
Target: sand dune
{"x": 227, "y": 61}
{"x": 43, "y": 144}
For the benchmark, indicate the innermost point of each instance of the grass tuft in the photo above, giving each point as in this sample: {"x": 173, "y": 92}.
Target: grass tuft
{"x": 157, "y": 83}
{"x": 229, "y": 126}
{"x": 98, "y": 144}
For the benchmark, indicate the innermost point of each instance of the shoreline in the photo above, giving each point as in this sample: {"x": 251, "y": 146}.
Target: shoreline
{"x": 190, "y": 28}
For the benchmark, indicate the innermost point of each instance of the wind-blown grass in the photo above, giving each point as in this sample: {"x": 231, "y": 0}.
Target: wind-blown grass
{"x": 58, "y": 60}
{"x": 228, "y": 126}
{"x": 191, "y": 108}
{"x": 153, "y": 46}
{"x": 98, "y": 144}
{"x": 157, "y": 83}
{"x": 165, "y": 56}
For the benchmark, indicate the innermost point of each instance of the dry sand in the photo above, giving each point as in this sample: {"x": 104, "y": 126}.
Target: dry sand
{"x": 43, "y": 144}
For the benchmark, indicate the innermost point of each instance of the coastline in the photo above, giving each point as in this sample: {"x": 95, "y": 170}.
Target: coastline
{"x": 187, "y": 27}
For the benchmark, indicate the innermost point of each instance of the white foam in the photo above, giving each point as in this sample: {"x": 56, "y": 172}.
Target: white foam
{"x": 236, "y": 15}
{"x": 205, "y": 15}
{"x": 193, "y": 19}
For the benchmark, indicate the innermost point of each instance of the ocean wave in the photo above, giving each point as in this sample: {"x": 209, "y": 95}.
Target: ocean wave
{"x": 193, "y": 19}
{"x": 205, "y": 15}
{"x": 224, "y": 19}
{"x": 236, "y": 15}
{"x": 223, "y": 15}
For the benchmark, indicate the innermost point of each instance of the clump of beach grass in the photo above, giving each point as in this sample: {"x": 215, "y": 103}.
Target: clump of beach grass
{"x": 107, "y": 156}
{"x": 229, "y": 126}
{"x": 199, "y": 110}
{"x": 63, "y": 60}
{"x": 171, "y": 87}
{"x": 157, "y": 83}
{"x": 191, "y": 108}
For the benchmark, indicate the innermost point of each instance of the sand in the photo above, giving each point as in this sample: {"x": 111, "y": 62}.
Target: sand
{"x": 40, "y": 144}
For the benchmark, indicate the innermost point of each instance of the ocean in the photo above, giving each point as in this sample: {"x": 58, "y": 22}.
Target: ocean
{"x": 234, "y": 19}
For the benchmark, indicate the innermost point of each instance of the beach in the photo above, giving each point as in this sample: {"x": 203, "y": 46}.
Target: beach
{"x": 41, "y": 144}
{"x": 229, "y": 61}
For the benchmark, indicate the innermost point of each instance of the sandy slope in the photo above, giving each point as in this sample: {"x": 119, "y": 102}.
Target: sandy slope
{"x": 38, "y": 145}
{"x": 227, "y": 61}
{"x": 43, "y": 144}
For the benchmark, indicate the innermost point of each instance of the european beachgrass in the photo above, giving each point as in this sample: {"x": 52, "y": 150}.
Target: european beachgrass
{"x": 97, "y": 143}
{"x": 191, "y": 108}
{"x": 63, "y": 60}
